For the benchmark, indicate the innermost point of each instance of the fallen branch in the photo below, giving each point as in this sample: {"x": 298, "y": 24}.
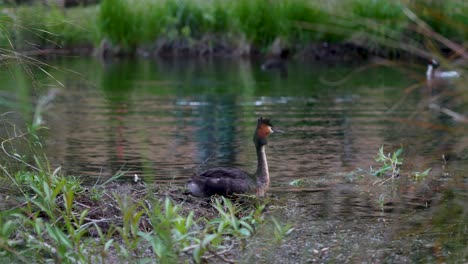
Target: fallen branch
{"x": 454, "y": 115}
{"x": 220, "y": 256}
{"x": 426, "y": 30}
{"x": 2, "y": 146}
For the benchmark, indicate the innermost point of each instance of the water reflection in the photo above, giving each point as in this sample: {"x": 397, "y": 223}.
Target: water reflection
{"x": 147, "y": 115}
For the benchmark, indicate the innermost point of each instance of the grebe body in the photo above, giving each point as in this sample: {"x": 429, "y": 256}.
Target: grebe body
{"x": 227, "y": 181}
{"x": 278, "y": 61}
{"x": 433, "y": 72}
{"x": 222, "y": 181}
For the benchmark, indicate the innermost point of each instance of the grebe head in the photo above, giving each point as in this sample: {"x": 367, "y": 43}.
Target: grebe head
{"x": 431, "y": 67}
{"x": 434, "y": 63}
{"x": 263, "y": 130}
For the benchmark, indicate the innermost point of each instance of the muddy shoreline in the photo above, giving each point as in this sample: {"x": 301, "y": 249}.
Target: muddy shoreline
{"x": 315, "y": 238}
{"x": 346, "y": 52}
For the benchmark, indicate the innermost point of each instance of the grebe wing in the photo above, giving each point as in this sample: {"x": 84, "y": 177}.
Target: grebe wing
{"x": 229, "y": 173}
{"x": 223, "y": 181}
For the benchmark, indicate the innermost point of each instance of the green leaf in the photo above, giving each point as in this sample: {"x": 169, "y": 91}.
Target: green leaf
{"x": 290, "y": 230}
{"x": 58, "y": 236}
{"x": 426, "y": 172}
{"x": 246, "y": 225}
{"x": 297, "y": 182}
{"x": 83, "y": 216}
{"x": 6, "y": 227}
{"x": 244, "y": 231}
{"x": 276, "y": 223}
{"x": 208, "y": 238}
{"x": 108, "y": 244}
{"x": 189, "y": 221}
{"x": 197, "y": 254}
{"x": 398, "y": 152}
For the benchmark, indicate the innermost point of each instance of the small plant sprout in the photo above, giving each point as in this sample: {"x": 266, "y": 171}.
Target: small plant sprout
{"x": 281, "y": 231}
{"x": 352, "y": 176}
{"x": 381, "y": 202}
{"x": 421, "y": 175}
{"x": 297, "y": 182}
{"x": 391, "y": 163}
{"x": 228, "y": 220}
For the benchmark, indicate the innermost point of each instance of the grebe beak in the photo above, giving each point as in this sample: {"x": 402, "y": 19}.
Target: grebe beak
{"x": 275, "y": 130}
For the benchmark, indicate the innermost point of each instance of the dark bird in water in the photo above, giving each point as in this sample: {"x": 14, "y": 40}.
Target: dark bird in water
{"x": 278, "y": 62}
{"x": 227, "y": 181}
{"x": 433, "y": 72}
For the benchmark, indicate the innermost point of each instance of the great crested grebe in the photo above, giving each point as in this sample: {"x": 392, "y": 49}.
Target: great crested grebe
{"x": 433, "y": 72}
{"x": 277, "y": 61}
{"x": 226, "y": 181}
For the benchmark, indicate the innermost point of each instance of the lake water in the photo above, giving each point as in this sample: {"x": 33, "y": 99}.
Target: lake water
{"x": 166, "y": 120}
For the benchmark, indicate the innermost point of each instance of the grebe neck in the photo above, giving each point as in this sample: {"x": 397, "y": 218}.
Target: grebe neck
{"x": 263, "y": 176}
{"x": 430, "y": 71}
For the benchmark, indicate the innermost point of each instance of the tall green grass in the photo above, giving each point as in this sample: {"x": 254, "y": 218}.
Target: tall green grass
{"x": 375, "y": 24}
{"x": 38, "y": 26}
{"x": 448, "y": 18}
{"x": 130, "y": 23}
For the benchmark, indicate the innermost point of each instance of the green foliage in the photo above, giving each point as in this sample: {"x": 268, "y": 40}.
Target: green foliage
{"x": 226, "y": 226}
{"x": 448, "y": 18}
{"x": 305, "y": 21}
{"x": 291, "y": 20}
{"x": 186, "y": 18}
{"x": 28, "y": 27}
{"x": 229, "y": 223}
{"x": 258, "y": 21}
{"x": 391, "y": 162}
{"x": 297, "y": 182}
{"x": 376, "y": 24}
{"x": 389, "y": 168}
{"x": 381, "y": 202}
{"x": 126, "y": 25}
{"x": 421, "y": 175}
{"x": 378, "y": 10}
{"x": 171, "y": 231}
{"x": 280, "y": 231}
{"x": 48, "y": 222}
{"x": 131, "y": 214}
{"x": 130, "y": 23}
{"x": 50, "y": 228}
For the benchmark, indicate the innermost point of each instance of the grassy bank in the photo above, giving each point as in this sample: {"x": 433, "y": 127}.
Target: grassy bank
{"x": 45, "y": 216}
{"x": 375, "y": 25}
{"x": 296, "y": 21}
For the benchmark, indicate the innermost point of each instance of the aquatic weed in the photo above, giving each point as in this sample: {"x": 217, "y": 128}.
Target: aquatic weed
{"x": 391, "y": 163}
{"x": 421, "y": 175}
{"x": 297, "y": 182}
